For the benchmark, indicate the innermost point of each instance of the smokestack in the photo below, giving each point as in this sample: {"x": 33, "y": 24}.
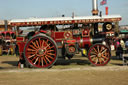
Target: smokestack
{"x": 73, "y": 14}
{"x": 6, "y": 25}
{"x": 95, "y": 7}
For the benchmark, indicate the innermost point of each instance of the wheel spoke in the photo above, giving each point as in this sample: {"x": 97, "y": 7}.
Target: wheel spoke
{"x": 98, "y": 49}
{"x": 50, "y": 51}
{"x": 36, "y": 60}
{"x": 101, "y": 49}
{"x": 96, "y": 60}
{"x": 31, "y": 53}
{"x": 34, "y": 44}
{"x": 31, "y": 56}
{"x": 45, "y": 44}
{"x": 47, "y": 41}
{"x": 50, "y": 54}
{"x": 30, "y": 49}
{"x": 104, "y": 57}
{"x": 37, "y": 44}
{"x": 93, "y": 56}
{"x": 33, "y": 47}
{"x": 40, "y": 42}
{"x": 50, "y": 47}
{"x": 42, "y": 61}
{"x": 94, "y": 53}
{"x": 39, "y": 61}
{"x": 47, "y": 59}
{"x": 104, "y": 51}
{"x": 100, "y": 60}
{"x": 95, "y": 50}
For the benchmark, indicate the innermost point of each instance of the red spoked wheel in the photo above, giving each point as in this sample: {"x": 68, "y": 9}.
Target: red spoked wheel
{"x": 40, "y": 51}
{"x": 99, "y": 55}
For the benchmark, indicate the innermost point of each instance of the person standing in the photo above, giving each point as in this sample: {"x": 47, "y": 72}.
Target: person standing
{"x": 122, "y": 43}
{"x": 119, "y": 51}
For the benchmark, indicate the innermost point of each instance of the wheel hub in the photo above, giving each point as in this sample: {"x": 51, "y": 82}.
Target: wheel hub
{"x": 40, "y": 52}
{"x": 71, "y": 49}
{"x": 99, "y": 54}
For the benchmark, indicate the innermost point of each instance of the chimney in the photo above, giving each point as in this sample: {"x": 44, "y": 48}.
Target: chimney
{"x": 6, "y": 25}
{"x": 73, "y": 14}
{"x": 95, "y": 7}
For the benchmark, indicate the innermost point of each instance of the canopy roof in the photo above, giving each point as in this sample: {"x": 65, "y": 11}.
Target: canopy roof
{"x": 64, "y": 20}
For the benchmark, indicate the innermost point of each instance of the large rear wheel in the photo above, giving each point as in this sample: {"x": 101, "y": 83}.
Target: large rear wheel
{"x": 99, "y": 54}
{"x": 41, "y": 51}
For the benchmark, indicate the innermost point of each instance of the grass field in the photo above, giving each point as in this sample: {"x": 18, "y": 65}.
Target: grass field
{"x": 77, "y": 71}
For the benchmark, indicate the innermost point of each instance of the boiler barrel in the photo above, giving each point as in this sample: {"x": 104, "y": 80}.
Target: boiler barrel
{"x": 87, "y": 41}
{"x": 98, "y": 40}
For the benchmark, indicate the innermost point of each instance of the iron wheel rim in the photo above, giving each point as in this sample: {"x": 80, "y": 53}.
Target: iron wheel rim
{"x": 99, "y": 55}
{"x": 41, "y": 52}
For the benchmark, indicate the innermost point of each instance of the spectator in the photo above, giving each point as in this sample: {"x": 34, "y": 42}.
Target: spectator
{"x": 119, "y": 51}
{"x": 122, "y": 44}
{"x": 117, "y": 43}
{"x": 126, "y": 44}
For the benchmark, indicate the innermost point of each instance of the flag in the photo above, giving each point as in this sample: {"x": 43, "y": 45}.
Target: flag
{"x": 103, "y": 2}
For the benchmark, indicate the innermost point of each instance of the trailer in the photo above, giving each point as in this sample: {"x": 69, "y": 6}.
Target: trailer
{"x": 60, "y": 37}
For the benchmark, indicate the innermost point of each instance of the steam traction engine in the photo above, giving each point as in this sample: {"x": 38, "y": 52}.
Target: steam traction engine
{"x": 64, "y": 37}
{"x": 7, "y": 38}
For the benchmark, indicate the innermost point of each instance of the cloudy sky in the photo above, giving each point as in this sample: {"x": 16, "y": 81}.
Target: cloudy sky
{"x": 12, "y": 9}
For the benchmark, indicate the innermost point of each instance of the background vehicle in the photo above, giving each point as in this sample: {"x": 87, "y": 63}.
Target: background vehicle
{"x": 7, "y": 38}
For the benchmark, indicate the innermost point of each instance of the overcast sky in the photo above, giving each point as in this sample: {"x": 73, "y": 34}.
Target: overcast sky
{"x": 13, "y": 9}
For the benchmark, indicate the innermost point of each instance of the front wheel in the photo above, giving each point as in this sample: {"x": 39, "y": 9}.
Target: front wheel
{"x": 99, "y": 55}
{"x": 41, "y": 51}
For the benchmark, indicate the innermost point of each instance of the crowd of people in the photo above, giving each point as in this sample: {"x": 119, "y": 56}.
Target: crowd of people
{"x": 121, "y": 48}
